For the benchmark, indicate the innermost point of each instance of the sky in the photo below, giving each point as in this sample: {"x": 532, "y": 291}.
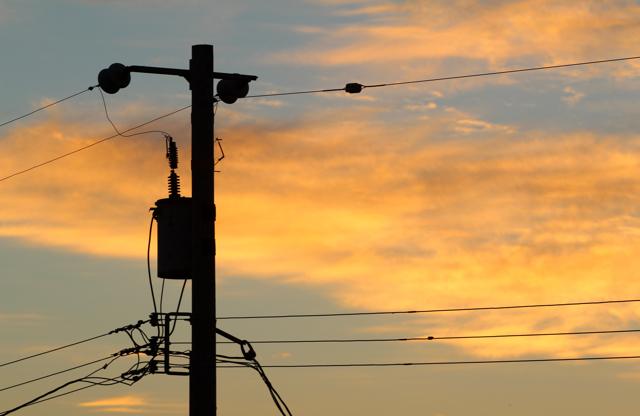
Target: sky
{"x": 505, "y": 190}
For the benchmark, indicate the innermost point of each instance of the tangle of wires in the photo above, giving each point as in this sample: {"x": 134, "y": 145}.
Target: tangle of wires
{"x": 139, "y": 369}
{"x": 248, "y": 359}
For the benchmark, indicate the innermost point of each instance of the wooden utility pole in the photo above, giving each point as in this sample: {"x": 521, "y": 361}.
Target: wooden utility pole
{"x": 202, "y": 363}
{"x": 202, "y": 271}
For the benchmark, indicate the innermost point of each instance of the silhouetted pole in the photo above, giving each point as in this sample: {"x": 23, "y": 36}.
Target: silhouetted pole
{"x": 200, "y": 75}
{"x": 202, "y": 364}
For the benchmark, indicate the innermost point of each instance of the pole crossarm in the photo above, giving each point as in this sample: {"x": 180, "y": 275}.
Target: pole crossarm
{"x": 158, "y": 70}
{"x": 186, "y": 74}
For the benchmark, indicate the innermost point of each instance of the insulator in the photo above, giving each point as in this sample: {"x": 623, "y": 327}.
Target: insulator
{"x": 174, "y": 185}
{"x": 229, "y": 90}
{"x": 172, "y": 155}
{"x": 113, "y": 78}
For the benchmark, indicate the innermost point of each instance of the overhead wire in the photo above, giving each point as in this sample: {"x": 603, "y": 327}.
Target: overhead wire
{"x": 124, "y": 134}
{"x": 314, "y": 91}
{"x": 436, "y": 338}
{"x": 436, "y": 363}
{"x": 255, "y": 365}
{"x": 132, "y": 375}
{"x": 97, "y": 142}
{"x": 249, "y": 359}
{"x": 277, "y": 399}
{"x": 426, "y": 311}
{"x": 359, "y": 87}
{"x": 153, "y": 295}
{"x": 72, "y": 344}
{"x": 48, "y": 393}
{"x": 184, "y": 285}
{"x": 44, "y": 107}
{"x": 106, "y": 382}
{"x": 129, "y": 377}
{"x": 55, "y": 373}
{"x": 128, "y": 329}
{"x": 55, "y": 349}
{"x": 508, "y": 71}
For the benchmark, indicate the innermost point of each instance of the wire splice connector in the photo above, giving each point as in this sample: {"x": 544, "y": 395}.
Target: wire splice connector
{"x": 353, "y": 88}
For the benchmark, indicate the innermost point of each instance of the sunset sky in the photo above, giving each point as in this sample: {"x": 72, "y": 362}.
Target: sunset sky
{"x": 504, "y": 190}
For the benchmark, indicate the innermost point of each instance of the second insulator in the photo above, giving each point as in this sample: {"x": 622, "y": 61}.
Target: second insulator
{"x": 174, "y": 185}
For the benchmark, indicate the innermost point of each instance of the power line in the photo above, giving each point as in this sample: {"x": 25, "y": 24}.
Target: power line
{"x": 277, "y": 94}
{"x": 248, "y": 359}
{"x": 356, "y": 87}
{"x": 420, "y": 311}
{"x": 55, "y": 159}
{"x": 508, "y": 71}
{"x": 73, "y": 391}
{"x": 351, "y": 87}
{"x": 47, "y": 106}
{"x": 113, "y": 331}
{"x": 129, "y": 377}
{"x": 54, "y": 349}
{"x": 55, "y": 373}
{"x": 435, "y": 338}
{"x": 153, "y": 295}
{"x": 434, "y": 363}
{"x": 123, "y": 133}
{"x": 184, "y": 284}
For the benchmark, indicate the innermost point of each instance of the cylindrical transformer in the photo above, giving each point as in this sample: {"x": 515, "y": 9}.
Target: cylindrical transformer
{"x": 174, "y": 237}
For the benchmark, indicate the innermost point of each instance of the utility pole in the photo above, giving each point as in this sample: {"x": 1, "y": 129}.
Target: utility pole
{"x": 200, "y": 75}
{"x": 202, "y": 362}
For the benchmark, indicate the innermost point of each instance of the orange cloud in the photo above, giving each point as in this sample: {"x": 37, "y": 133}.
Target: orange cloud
{"x": 20, "y": 319}
{"x": 423, "y": 217}
{"x": 119, "y": 404}
{"x": 419, "y": 37}
{"x": 68, "y": 203}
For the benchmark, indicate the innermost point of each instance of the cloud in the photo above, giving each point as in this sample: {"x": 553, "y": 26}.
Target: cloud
{"x": 459, "y": 211}
{"x": 422, "y": 107}
{"x": 573, "y": 97}
{"x": 68, "y": 204}
{"x": 468, "y": 126}
{"x": 430, "y": 36}
{"x": 19, "y": 319}
{"x": 120, "y": 404}
{"x": 376, "y": 9}
{"x": 421, "y": 222}
{"x": 133, "y": 404}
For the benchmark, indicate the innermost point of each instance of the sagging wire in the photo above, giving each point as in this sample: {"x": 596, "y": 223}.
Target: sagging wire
{"x": 173, "y": 181}
{"x": 248, "y": 359}
{"x": 174, "y": 192}
{"x": 184, "y": 284}
{"x": 122, "y": 133}
{"x": 174, "y": 186}
{"x": 153, "y": 295}
{"x": 113, "y": 331}
{"x": 136, "y": 372}
{"x": 127, "y": 329}
{"x": 48, "y": 105}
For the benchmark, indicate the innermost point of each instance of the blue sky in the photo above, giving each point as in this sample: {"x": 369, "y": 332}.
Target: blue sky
{"x": 502, "y": 190}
